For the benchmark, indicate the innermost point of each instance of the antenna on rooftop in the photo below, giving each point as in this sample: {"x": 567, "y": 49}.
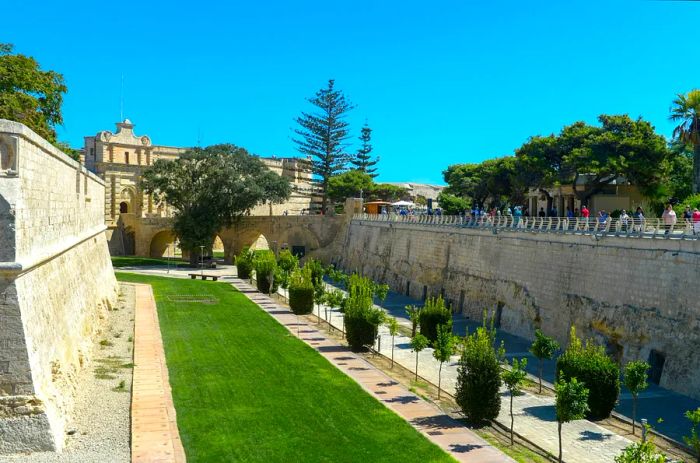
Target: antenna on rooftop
{"x": 121, "y": 101}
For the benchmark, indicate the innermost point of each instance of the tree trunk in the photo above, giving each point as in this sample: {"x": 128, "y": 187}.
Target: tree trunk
{"x": 439, "y": 379}
{"x": 512, "y": 419}
{"x": 541, "y": 364}
{"x": 416, "y": 366}
{"x": 392, "y": 351}
{"x": 696, "y": 168}
{"x": 559, "y": 432}
{"x": 634, "y": 411}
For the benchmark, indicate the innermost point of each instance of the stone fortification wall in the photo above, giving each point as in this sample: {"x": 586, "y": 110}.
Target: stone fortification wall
{"x": 56, "y": 279}
{"x": 633, "y": 295}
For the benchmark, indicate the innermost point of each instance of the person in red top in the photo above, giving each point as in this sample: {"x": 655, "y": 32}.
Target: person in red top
{"x": 696, "y": 221}
{"x": 584, "y": 216}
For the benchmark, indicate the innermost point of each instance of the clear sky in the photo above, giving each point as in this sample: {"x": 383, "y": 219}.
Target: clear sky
{"x": 439, "y": 82}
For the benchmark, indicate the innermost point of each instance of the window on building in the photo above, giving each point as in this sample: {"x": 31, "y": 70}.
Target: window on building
{"x": 126, "y": 157}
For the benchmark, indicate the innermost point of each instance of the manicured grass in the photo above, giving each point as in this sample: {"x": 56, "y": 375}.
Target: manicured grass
{"x": 245, "y": 389}
{"x": 133, "y": 261}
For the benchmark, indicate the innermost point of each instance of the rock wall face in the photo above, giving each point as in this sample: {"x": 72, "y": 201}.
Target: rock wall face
{"x": 56, "y": 279}
{"x": 633, "y": 295}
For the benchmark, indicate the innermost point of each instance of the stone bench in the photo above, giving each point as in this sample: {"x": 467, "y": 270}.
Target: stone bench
{"x": 194, "y": 276}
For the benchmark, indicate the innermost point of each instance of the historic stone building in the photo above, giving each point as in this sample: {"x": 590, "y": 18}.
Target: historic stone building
{"x": 120, "y": 159}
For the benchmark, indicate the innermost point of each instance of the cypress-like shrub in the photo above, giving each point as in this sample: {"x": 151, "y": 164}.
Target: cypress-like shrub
{"x": 589, "y": 364}
{"x": 265, "y": 267}
{"x": 433, "y": 314}
{"x": 301, "y": 291}
{"x": 479, "y": 377}
{"x": 362, "y": 319}
{"x": 244, "y": 263}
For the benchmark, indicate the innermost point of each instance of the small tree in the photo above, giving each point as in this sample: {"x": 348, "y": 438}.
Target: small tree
{"x": 418, "y": 343}
{"x": 393, "y": 326}
{"x": 320, "y": 298}
{"x": 244, "y": 263}
{"x": 514, "y": 379}
{"x": 381, "y": 292}
{"x": 414, "y": 315}
{"x": 636, "y": 382}
{"x": 362, "y": 318}
{"x": 444, "y": 347}
{"x": 640, "y": 452}
{"x": 334, "y": 298}
{"x": 301, "y": 291}
{"x": 433, "y": 314}
{"x": 693, "y": 441}
{"x": 479, "y": 377}
{"x": 543, "y": 348}
{"x": 571, "y": 404}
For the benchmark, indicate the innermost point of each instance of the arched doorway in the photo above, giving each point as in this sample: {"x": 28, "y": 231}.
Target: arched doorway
{"x": 123, "y": 207}
{"x": 163, "y": 244}
{"x": 260, "y": 243}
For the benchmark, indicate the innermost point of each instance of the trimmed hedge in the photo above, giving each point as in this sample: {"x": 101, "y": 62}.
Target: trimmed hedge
{"x": 301, "y": 292}
{"x": 433, "y": 314}
{"x": 265, "y": 265}
{"x": 589, "y": 364}
{"x": 362, "y": 319}
{"x": 244, "y": 264}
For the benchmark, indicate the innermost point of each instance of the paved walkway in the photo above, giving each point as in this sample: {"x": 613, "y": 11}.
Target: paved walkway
{"x": 447, "y": 433}
{"x": 154, "y": 434}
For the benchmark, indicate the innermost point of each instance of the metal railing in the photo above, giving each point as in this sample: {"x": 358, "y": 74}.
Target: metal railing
{"x": 629, "y": 227}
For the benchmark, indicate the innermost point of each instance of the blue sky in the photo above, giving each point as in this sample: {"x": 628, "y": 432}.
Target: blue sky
{"x": 439, "y": 82}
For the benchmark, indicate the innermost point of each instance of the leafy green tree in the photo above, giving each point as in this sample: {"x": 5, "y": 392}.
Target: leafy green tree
{"x": 301, "y": 291}
{"x": 444, "y": 348}
{"x": 514, "y": 378}
{"x": 693, "y": 441}
{"x": 543, "y": 348}
{"x": 320, "y": 299}
{"x": 479, "y": 377}
{"x": 434, "y": 314}
{"x": 265, "y": 266}
{"x": 387, "y": 192}
{"x": 334, "y": 298}
{"x": 393, "y": 326}
{"x": 323, "y": 135}
{"x": 571, "y": 404}
{"x": 451, "y": 204}
{"x": 194, "y": 185}
{"x": 287, "y": 261}
{"x": 489, "y": 180}
{"x": 28, "y": 94}
{"x": 363, "y": 159}
{"x": 418, "y": 343}
{"x": 636, "y": 382}
{"x": 244, "y": 263}
{"x": 362, "y": 318}
{"x": 349, "y": 184}
{"x": 686, "y": 113}
{"x": 381, "y": 291}
{"x": 413, "y": 315}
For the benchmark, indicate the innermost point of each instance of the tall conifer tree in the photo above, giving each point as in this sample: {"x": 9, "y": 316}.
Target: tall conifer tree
{"x": 363, "y": 160}
{"x": 323, "y": 135}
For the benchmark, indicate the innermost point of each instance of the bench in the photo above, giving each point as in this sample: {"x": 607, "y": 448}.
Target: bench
{"x": 194, "y": 276}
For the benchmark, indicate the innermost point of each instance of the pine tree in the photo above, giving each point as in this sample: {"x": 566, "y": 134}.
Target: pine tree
{"x": 323, "y": 135}
{"x": 363, "y": 161}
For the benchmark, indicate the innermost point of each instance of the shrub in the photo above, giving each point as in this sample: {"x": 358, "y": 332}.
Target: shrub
{"x": 244, "y": 263}
{"x": 287, "y": 261}
{"x": 265, "y": 266}
{"x": 316, "y": 271}
{"x": 301, "y": 292}
{"x": 479, "y": 377}
{"x": 592, "y": 366}
{"x": 433, "y": 314}
{"x": 362, "y": 319}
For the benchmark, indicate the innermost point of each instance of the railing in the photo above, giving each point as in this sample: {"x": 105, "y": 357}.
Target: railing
{"x": 630, "y": 227}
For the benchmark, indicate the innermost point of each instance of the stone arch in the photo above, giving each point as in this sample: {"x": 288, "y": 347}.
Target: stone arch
{"x": 161, "y": 242}
{"x": 298, "y": 238}
{"x": 261, "y": 242}
{"x": 128, "y": 200}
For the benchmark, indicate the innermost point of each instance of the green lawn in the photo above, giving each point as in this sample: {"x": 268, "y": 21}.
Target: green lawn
{"x": 134, "y": 261}
{"x": 245, "y": 389}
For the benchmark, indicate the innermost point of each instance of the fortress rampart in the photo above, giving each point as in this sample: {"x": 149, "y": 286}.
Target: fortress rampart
{"x": 56, "y": 279}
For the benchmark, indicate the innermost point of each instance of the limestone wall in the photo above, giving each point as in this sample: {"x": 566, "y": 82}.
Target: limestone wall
{"x": 633, "y": 295}
{"x": 56, "y": 279}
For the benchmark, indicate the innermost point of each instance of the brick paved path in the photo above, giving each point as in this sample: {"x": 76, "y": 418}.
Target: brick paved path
{"x": 448, "y": 434}
{"x": 154, "y": 434}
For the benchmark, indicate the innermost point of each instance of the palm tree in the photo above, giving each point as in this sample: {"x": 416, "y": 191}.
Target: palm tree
{"x": 686, "y": 112}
